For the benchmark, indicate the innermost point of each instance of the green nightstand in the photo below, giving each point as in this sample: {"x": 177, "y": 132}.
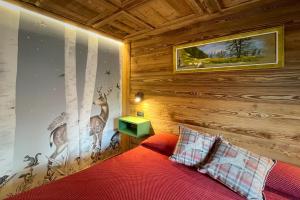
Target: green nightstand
{"x": 134, "y": 126}
{"x": 137, "y": 128}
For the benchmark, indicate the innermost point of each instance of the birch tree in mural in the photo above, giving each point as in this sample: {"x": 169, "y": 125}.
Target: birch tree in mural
{"x": 88, "y": 94}
{"x": 9, "y": 23}
{"x": 71, "y": 95}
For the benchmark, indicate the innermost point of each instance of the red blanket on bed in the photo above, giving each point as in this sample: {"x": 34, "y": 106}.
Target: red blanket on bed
{"x": 139, "y": 174}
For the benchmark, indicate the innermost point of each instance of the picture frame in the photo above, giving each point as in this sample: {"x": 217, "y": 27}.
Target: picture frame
{"x": 261, "y": 49}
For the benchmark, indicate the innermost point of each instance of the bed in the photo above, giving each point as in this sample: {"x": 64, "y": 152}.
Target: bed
{"x": 146, "y": 173}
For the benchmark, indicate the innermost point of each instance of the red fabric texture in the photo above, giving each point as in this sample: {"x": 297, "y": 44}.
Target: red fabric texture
{"x": 285, "y": 178}
{"x": 163, "y": 143}
{"x": 139, "y": 174}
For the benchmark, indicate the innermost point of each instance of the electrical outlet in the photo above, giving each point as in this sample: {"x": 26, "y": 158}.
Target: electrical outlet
{"x": 140, "y": 114}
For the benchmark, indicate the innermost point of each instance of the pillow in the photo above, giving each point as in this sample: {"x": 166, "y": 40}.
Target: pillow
{"x": 242, "y": 171}
{"x": 285, "y": 178}
{"x": 163, "y": 143}
{"x": 192, "y": 147}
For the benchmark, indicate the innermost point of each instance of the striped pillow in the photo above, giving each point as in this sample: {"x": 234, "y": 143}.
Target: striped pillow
{"x": 242, "y": 171}
{"x": 192, "y": 147}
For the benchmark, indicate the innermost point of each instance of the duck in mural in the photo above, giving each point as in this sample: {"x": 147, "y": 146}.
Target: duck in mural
{"x": 114, "y": 141}
{"x": 32, "y": 161}
{"x": 27, "y": 181}
{"x": 28, "y": 177}
{"x": 3, "y": 179}
{"x": 98, "y": 122}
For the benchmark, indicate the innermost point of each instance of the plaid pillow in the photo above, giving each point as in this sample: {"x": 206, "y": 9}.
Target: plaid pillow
{"x": 192, "y": 147}
{"x": 242, "y": 171}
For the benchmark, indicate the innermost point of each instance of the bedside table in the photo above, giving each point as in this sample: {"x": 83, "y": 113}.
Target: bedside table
{"x": 137, "y": 128}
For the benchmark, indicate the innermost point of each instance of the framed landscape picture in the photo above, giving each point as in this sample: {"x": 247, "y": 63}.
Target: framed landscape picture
{"x": 252, "y": 50}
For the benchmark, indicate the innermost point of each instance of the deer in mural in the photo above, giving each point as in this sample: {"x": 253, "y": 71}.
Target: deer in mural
{"x": 58, "y": 135}
{"x": 98, "y": 122}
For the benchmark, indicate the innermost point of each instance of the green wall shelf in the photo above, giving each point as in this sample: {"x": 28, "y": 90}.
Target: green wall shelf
{"x": 134, "y": 126}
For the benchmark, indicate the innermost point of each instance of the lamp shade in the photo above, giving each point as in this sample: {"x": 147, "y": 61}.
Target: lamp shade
{"x": 139, "y": 97}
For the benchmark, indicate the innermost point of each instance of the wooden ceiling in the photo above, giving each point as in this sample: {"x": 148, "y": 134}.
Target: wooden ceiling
{"x": 131, "y": 19}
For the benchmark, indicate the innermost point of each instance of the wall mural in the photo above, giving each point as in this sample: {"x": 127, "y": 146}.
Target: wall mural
{"x": 62, "y": 100}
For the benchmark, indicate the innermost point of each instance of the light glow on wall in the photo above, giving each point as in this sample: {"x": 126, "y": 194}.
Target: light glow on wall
{"x": 14, "y": 7}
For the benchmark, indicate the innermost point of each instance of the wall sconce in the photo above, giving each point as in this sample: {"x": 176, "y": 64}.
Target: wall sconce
{"x": 139, "y": 97}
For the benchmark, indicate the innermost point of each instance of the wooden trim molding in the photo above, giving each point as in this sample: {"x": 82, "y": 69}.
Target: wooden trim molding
{"x": 125, "y": 87}
{"x": 125, "y": 71}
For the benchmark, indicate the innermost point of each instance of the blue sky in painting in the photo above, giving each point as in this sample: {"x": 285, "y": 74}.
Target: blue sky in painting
{"x": 221, "y": 46}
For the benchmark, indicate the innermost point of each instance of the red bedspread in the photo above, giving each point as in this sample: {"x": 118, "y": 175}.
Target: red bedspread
{"x": 139, "y": 174}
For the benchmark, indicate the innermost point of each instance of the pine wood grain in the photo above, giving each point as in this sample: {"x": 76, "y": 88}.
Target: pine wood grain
{"x": 255, "y": 109}
{"x": 151, "y": 16}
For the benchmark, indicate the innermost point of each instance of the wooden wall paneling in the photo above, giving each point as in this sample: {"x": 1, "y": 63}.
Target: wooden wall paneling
{"x": 256, "y": 109}
{"x": 125, "y": 87}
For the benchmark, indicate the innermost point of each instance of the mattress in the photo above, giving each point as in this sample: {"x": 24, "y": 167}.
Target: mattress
{"x": 139, "y": 174}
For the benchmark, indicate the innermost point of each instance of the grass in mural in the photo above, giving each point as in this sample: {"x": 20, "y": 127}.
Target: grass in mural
{"x": 244, "y": 51}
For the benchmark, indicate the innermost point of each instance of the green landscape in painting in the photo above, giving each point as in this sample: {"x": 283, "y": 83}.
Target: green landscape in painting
{"x": 254, "y": 50}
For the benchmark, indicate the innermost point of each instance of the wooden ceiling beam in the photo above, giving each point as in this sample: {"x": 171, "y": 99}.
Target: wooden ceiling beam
{"x": 125, "y": 22}
{"x": 194, "y": 5}
{"x": 121, "y": 15}
{"x": 97, "y": 18}
{"x": 127, "y": 4}
{"x": 168, "y": 26}
{"x": 115, "y": 16}
{"x": 122, "y": 27}
{"x": 137, "y": 20}
{"x": 133, "y": 4}
{"x": 46, "y": 13}
{"x": 107, "y": 20}
{"x": 211, "y": 6}
{"x": 193, "y": 20}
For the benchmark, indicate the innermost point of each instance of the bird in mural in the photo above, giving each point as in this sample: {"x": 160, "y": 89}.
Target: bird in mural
{"x": 3, "y": 179}
{"x": 114, "y": 141}
{"x": 33, "y": 161}
{"x": 118, "y": 86}
{"x": 27, "y": 181}
{"x": 25, "y": 176}
{"x": 61, "y": 75}
{"x": 107, "y": 72}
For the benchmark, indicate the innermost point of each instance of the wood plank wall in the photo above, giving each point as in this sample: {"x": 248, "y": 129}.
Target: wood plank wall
{"x": 255, "y": 109}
